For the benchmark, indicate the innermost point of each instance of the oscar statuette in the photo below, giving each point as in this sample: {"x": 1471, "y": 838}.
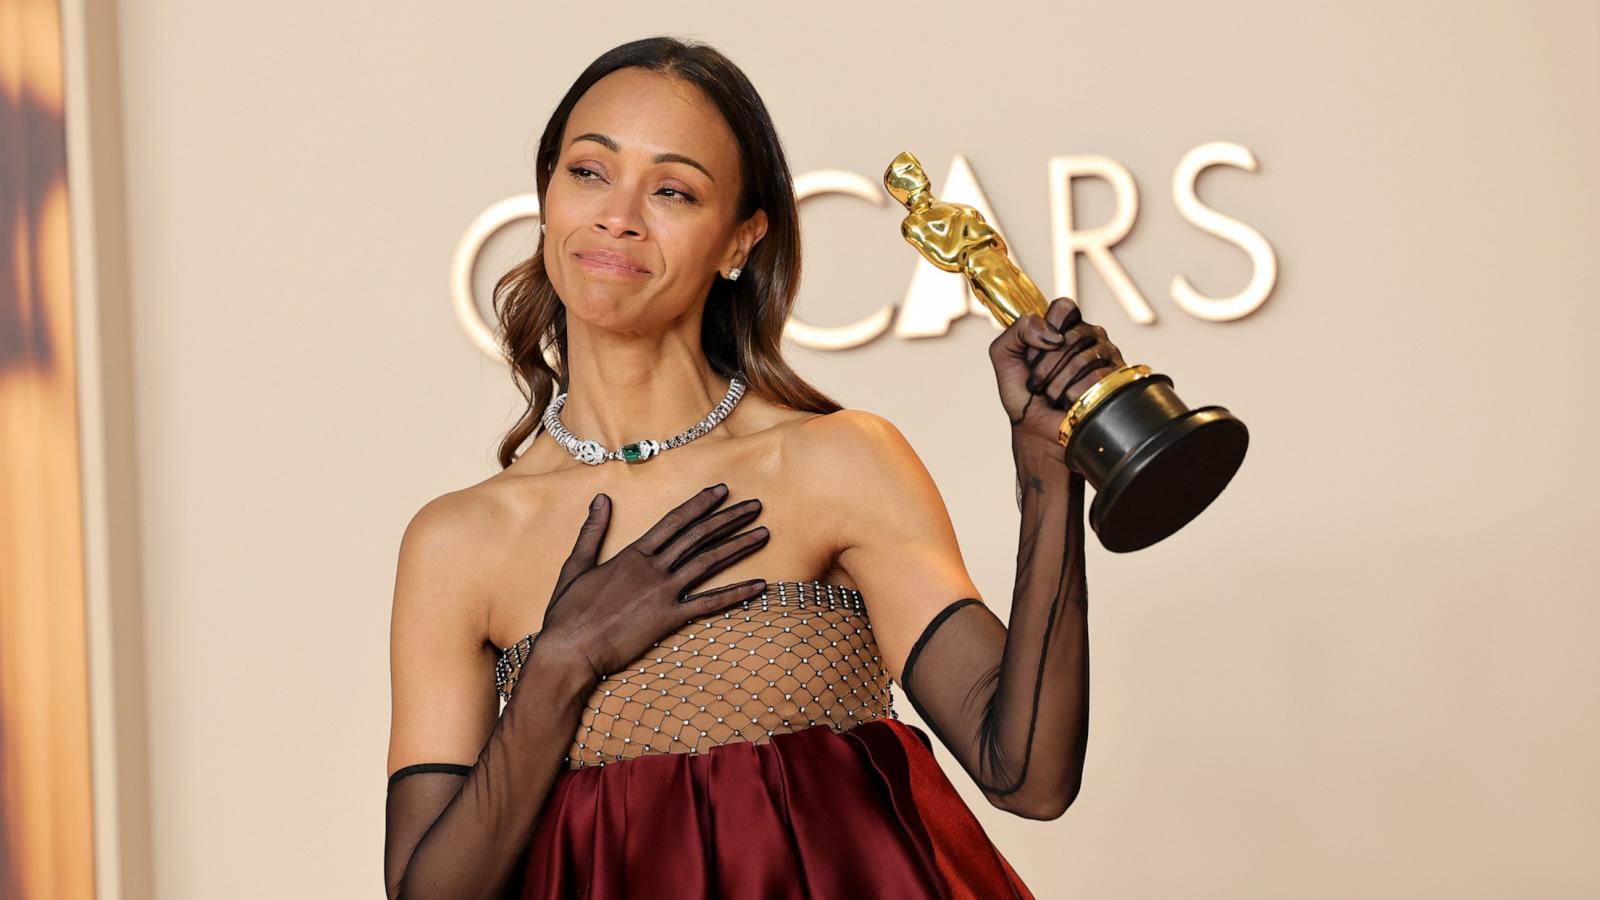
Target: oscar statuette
{"x": 1155, "y": 464}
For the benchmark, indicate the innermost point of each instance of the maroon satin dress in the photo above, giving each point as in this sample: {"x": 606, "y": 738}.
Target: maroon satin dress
{"x": 756, "y": 753}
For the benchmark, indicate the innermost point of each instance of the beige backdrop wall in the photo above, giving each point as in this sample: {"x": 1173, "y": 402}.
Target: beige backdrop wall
{"x": 1363, "y": 672}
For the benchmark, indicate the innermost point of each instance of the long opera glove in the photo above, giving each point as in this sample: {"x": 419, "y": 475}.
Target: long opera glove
{"x": 1012, "y": 703}
{"x": 463, "y": 831}
{"x": 458, "y": 831}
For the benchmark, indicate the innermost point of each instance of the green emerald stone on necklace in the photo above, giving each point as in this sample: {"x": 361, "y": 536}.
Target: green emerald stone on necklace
{"x": 632, "y": 452}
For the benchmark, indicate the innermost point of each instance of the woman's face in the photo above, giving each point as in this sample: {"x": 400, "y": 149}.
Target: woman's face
{"x": 640, "y": 212}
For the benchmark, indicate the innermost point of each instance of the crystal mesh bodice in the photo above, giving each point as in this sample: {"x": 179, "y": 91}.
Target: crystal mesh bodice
{"x": 801, "y": 654}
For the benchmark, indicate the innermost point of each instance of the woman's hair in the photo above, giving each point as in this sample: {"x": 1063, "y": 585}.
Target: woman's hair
{"x": 744, "y": 319}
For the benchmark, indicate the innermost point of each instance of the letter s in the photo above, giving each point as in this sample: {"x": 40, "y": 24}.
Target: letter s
{"x": 1232, "y": 230}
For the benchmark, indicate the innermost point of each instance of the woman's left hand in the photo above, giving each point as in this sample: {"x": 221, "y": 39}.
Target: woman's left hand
{"x": 1043, "y": 365}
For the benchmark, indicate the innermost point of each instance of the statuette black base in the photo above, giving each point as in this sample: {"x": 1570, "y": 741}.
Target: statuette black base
{"x": 1155, "y": 464}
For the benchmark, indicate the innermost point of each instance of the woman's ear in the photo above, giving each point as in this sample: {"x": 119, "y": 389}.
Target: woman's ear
{"x": 750, "y": 231}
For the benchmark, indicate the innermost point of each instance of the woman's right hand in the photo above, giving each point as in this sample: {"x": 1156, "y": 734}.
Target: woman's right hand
{"x": 612, "y": 613}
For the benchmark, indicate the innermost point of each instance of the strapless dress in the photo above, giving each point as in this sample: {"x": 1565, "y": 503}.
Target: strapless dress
{"x": 756, "y": 753}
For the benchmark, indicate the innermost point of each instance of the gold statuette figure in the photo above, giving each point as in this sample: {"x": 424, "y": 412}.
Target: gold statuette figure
{"x": 955, "y": 237}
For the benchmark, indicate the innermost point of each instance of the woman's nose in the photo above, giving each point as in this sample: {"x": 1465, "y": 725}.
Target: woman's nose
{"x": 619, "y": 215}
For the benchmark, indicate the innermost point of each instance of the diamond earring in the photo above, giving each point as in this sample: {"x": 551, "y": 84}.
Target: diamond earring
{"x": 733, "y": 273}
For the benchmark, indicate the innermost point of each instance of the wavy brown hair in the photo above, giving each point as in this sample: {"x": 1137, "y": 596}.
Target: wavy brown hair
{"x": 743, "y": 320}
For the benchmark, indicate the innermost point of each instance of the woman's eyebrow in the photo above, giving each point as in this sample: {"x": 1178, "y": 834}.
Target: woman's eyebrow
{"x": 611, "y": 145}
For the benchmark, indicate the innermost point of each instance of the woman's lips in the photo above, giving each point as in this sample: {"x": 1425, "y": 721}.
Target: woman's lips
{"x": 606, "y": 261}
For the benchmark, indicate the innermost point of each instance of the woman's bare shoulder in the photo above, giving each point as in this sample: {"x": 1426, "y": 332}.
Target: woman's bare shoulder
{"x": 481, "y": 510}
{"x": 841, "y": 457}
{"x": 463, "y": 534}
{"x": 857, "y": 460}
{"x": 833, "y": 439}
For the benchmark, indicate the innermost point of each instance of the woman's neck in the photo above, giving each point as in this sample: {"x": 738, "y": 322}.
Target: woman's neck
{"x": 625, "y": 390}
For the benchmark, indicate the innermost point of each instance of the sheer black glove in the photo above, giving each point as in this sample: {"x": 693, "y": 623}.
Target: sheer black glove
{"x": 463, "y": 831}
{"x": 1011, "y": 702}
{"x": 612, "y": 613}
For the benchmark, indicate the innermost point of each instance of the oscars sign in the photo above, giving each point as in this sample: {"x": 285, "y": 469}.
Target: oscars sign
{"x": 933, "y": 301}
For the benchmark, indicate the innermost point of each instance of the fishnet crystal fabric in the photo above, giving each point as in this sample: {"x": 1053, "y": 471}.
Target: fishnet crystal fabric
{"x": 799, "y": 655}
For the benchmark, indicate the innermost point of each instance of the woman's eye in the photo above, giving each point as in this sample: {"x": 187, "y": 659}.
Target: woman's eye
{"x": 584, "y": 173}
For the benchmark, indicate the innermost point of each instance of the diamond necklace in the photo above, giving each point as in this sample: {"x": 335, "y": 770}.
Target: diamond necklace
{"x": 594, "y": 453}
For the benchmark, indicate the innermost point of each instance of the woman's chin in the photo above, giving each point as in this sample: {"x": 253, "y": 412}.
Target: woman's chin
{"x": 608, "y": 306}
{"x": 587, "y": 289}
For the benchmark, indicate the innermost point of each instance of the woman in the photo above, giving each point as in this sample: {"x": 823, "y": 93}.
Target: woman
{"x": 738, "y": 741}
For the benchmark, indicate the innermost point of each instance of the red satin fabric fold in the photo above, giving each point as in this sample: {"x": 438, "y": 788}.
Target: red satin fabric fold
{"x": 814, "y": 814}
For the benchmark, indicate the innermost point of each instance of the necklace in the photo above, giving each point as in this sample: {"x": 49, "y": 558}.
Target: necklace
{"x": 594, "y": 453}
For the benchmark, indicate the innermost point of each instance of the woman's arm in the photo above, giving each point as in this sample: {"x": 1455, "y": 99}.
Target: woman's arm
{"x": 1010, "y": 703}
{"x": 454, "y": 828}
